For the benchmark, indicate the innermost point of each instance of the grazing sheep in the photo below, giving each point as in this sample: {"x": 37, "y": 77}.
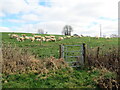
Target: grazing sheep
{"x": 47, "y": 40}
{"x": 60, "y": 38}
{"x": 14, "y": 36}
{"x": 47, "y": 37}
{"x": 27, "y": 38}
{"x": 23, "y": 35}
{"x": 32, "y": 39}
{"x": 64, "y": 37}
{"x": 52, "y": 36}
{"x": 79, "y": 36}
{"x": 53, "y": 39}
{"x": 36, "y": 37}
{"x": 43, "y": 38}
{"x": 9, "y": 35}
{"x": 107, "y": 37}
{"x": 38, "y": 40}
{"x": 20, "y": 39}
{"x": 68, "y": 37}
{"x": 97, "y": 37}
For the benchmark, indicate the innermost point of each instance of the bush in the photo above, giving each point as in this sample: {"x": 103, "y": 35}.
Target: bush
{"x": 16, "y": 60}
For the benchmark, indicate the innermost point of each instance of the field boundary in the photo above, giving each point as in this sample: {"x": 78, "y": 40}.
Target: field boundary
{"x": 80, "y": 59}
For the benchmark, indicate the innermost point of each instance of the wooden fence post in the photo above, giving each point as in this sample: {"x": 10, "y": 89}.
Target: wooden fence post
{"x": 61, "y": 51}
{"x": 98, "y": 51}
{"x": 84, "y": 53}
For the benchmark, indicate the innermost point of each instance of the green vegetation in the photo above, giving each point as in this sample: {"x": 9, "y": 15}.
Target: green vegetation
{"x": 48, "y": 49}
{"x": 55, "y": 78}
{"x": 64, "y": 78}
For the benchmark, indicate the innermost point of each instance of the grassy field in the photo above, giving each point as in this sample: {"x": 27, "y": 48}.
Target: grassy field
{"x": 56, "y": 78}
{"x": 48, "y": 49}
{"x": 63, "y": 78}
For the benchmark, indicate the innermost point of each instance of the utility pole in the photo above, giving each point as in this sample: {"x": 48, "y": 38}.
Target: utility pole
{"x": 100, "y": 30}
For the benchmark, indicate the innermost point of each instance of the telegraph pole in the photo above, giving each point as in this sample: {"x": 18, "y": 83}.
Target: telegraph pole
{"x": 100, "y": 30}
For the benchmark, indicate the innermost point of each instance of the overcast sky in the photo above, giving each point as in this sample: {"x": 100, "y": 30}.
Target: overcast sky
{"x": 85, "y": 16}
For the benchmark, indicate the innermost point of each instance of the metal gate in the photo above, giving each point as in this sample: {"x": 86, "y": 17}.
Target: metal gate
{"x": 74, "y": 55}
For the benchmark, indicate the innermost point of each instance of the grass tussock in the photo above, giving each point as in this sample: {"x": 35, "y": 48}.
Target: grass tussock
{"x": 16, "y": 60}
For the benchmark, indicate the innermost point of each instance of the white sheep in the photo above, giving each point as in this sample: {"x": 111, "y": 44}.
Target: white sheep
{"x": 107, "y": 37}
{"x": 36, "y": 36}
{"x": 68, "y": 37}
{"x": 60, "y": 38}
{"x": 53, "y": 39}
{"x": 38, "y": 40}
{"x": 14, "y": 36}
{"x": 32, "y": 39}
{"x": 47, "y": 40}
{"x": 23, "y": 35}
{"x": 97, "y": 37}
{"x": 52, "y": 36}
{"x": 20, "y": 39}
{"x": 43, "y": 38}
{"x": 47, "y": 37}
{"x": 27, "y": 38}
{"x": 9, "y": 35}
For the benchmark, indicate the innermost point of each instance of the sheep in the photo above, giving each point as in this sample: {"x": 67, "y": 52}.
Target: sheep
{"x": 27, "y": 38}
{"x": 14, "y": 36}
{"x": 38, "y": 40}
{"x": 36, "y": 36}
{"x": 47, "y": 40}
{"x": 47, "y": 37}
{"x": 107, "y": 37}
{"x": 68, "y": 37}
{"x": 52, "y": 36}
{"x": 64, "y": 37}
{"x": 9, "y": 35}
{"x": 32, "y": 39}
{"x": 79, "y": 36}
{"x": 97, "y": 37}
{"x": 53, "y": 39}
{"x": 20, "y": 39}
{"x": 60, "y": 38}
{"x": 23, "y": 35}
{"x": 43, "y": 38}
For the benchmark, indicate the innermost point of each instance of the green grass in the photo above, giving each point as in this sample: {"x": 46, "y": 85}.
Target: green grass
{"x": 48, "y": 49}
{"x": 59, "y": 79}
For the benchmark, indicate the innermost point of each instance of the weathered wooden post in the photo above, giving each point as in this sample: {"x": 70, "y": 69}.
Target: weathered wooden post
{"x": 84, "y": 54}
{"x": 61, "y": 51}
{"x": 98, "y": 52}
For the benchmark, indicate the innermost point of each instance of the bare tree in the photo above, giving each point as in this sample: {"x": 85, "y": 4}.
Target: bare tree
{"x": 40, "y": 31}
{"x": 67, "y": 30}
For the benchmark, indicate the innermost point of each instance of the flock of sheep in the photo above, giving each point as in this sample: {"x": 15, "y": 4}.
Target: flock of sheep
{"x": 39, "y": 38}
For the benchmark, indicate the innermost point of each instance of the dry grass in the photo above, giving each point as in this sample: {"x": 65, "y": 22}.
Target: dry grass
{"x": 109, "y": 60}
{"x": 16, "y": 60}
